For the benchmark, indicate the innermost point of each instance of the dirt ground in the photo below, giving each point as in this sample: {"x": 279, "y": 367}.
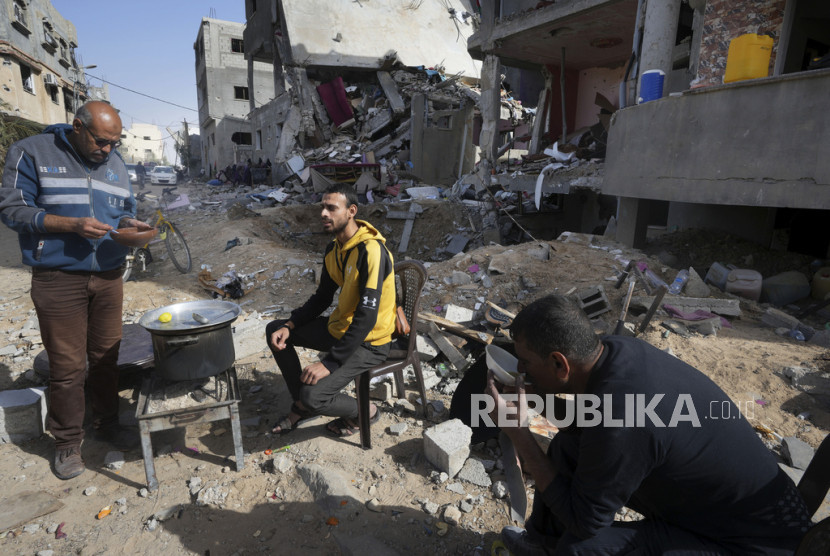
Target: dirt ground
{"x": 268, "y": 510}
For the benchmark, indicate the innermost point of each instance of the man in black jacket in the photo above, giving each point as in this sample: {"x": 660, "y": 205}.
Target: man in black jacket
{"x": 655, "y": 435}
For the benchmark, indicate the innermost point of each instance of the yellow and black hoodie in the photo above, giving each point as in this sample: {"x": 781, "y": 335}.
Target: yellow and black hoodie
{"x": 363, "y": 269}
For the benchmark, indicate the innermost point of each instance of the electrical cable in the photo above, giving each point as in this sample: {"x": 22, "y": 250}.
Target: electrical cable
{"x": 142, "y": 94}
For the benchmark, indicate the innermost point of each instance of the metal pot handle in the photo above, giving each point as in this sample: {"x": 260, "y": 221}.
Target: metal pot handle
{"x": 183, "y": 341}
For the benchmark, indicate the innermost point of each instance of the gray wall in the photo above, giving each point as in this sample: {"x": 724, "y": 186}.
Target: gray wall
{"x": 761, "y": 142}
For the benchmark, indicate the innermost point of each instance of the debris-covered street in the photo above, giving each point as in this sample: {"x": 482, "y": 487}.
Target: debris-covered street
{"x": 389, "y": 497}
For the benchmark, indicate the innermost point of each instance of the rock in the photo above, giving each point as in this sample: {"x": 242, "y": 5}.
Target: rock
{"x": 695, "y": 286}
{"x": 460, "y": 278}
{"x": 195, "y": 484}
{"x": 796, "y": 452}
{"x": 465, "y": 506}
{"x": 398, "y": 429}
{"x": 473, "y": 472}
{"x": 31, "y": 528}
{"x": 373, "y": 491}
{"x": 167, "y": 513}
{"x": 381, "y": 391}
{"x": 499, "y": 489}
{"x": 430, "y": 508}
{"x": 89, "y": 491}
{"x": 114, "y": 460}
{"x": 330, "y": 489}
{"x": 820, "y": 338}
{"x": 45, "y": 552}
{"x": 405, "y": 405}
{"x": 212, "y": 495}
{"x": 152, "y": 524}
{"x": 447, "y": 445}
{"x": 809, "y": 381}
{"x": 374, "y": 505}
{"x": 457, "y": 488}
{"x": 52, "y": 528}
{"x": 452, "y": 515}
{"x": 427, "y": 349}
{"x": 708, "y": 327}
{"x": 282, "y": 463}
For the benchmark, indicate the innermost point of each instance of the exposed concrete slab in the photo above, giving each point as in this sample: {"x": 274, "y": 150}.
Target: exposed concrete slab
{"x": 330, "y": 489}
{"x": 727, "y": 307}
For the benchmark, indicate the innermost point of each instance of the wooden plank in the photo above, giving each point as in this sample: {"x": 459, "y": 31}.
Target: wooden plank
{"x": 18, "y": 509}
{"x": 390, "y": 89}
{"x": 456, "y": 359}
{"x": 457, "y": 329}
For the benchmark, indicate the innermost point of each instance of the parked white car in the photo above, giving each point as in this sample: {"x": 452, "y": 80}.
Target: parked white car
{"x": 163, "y": 175}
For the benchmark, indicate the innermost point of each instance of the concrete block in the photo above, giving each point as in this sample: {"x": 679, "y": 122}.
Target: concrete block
{"x": 797, "y": 452}
{"x": 447, "y": 445}
{"x": 381, "y": 391}
{"x": 594, "y": 301}
{"x": 821, "y": 338}
{"x": 22, "y": 414}
{"x": 696, "y": 287}
{"x": 248, "y": 338}
{"x": 459, "y": 314}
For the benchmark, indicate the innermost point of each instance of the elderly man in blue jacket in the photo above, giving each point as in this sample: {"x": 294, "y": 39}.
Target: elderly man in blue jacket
{"x": 63, "y": 192}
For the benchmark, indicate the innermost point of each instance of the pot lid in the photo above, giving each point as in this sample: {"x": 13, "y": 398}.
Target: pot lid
{"x": 187, "y": 316}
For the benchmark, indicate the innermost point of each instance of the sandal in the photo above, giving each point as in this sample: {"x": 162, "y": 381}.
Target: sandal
{"x": 342, "y": 427}
{"x": 285, "y": 423}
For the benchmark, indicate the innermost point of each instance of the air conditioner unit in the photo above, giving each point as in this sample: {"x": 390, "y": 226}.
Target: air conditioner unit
{"x": 50, "y": 79}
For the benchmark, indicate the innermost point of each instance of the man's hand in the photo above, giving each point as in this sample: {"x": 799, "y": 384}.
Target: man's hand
{"x": 90, "y": 228}
{"x": 134, "y": 223}
{"x": 279, "y": 337}
{"x": 314, "y": 373}
{"x": 512, "y": 413}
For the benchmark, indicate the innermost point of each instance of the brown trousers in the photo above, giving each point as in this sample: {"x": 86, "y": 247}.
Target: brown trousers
{"x": 80, "y": 323}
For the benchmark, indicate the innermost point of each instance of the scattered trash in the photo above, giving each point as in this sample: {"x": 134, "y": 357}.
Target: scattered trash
{"x": 332, "y": 521}
{"x": 232, "y": 243}
{"x": 59, "y": 534}
{"x": 761, "y": 402}
{"x": 105, "y": 511}
{"x": 268, "y": 452}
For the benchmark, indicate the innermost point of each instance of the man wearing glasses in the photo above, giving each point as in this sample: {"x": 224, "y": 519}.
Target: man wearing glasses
{"x": 63, "y": 192}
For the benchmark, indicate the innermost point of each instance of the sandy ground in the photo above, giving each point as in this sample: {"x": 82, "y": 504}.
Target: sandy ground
{"x": 265, "y": 510}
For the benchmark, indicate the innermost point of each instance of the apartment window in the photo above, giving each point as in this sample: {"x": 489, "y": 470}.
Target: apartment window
{"x": 241, "y": 93}
{"x": 53, "y": 94}
{"x": 259, "y": 139}
{"x": 26, "y": 77}
{"x": 21, "y": 17}
{"x": 147, "y": 138}
{"x": 64, "y": 59}
{"x": 49, "y": 41}
{"x": 237, "y": 45}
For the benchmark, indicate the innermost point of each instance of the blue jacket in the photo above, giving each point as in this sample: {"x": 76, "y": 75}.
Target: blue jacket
{"x": 44, "y": 175}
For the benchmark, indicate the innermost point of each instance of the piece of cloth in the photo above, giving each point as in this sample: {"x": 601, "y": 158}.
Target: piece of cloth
{"x": 706, "y": 473}
{"x": 323, "y": 398}
{"x": 80, "y": 321}
{"x": 363, "y": 269}
{"x": 44, "y": 174}
{"x": 699, "y": 314}
{"x": 333, "y": 95}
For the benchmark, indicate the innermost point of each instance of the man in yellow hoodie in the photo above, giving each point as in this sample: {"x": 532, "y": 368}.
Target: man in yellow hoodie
{"x": 357, "y": 334}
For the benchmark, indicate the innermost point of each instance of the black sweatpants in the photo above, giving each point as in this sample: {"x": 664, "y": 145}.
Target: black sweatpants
{"x": 323, "y": 398}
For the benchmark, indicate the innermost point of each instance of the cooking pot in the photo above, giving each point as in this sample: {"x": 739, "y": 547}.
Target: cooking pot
{"x": 187, "y": 348}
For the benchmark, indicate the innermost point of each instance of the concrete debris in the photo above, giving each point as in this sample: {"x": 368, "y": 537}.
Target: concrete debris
{"x": 213, "y": 495}
{"x": 114, "y": 460}
{"x": 447, "y": 445}
{"x": 473, "y": 472}
{"x": 499, "y": 489}
{"x": 22, "y": 414}
{"x": 330, "y": 489}
{"x": 452, "y": 515}
{"x": 398, "y": 429}
{"x": 796, "y": 452}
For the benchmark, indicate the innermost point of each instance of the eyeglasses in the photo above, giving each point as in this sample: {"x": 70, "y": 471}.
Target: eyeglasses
{"x": 101, "y": 142}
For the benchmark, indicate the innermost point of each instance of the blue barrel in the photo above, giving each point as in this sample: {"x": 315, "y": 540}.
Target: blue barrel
{"x": 651, "y": 85}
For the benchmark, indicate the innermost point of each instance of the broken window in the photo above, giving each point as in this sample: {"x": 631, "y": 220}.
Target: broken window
{"x": 27, "y": 79}
{"x": 53, "y": 94}
{"x": 241, "y": 138}
{"x": 49, "y": 41}
{"x": 20, "y": 17}
{"x": 64, "y": 59}
{"x": 237, "y": 45}
{"x": 241, "y": 93}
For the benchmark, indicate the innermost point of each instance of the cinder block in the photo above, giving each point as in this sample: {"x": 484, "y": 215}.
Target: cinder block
{"x": 447, "y": 445}
{"x": 594, "y": 301}
{"x": 22, "y": 414}
{"x": 427, "y": 349}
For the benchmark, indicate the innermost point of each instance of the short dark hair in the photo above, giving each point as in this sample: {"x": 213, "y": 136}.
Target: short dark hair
{"x": 556, "y": 323}
{"x": 345, "y": 189}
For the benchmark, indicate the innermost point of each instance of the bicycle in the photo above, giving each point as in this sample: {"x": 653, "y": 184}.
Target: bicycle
{"x": 177, "y": 249}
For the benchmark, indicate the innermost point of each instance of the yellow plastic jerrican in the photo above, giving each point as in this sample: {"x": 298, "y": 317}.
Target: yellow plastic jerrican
{"x": 748, "y": 57}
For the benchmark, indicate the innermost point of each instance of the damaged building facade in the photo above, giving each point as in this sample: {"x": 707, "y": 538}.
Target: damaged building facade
{"x": 344, "y": 69}
{"x": 227, "y": 89}
{"x": 741, "y": 157}
{"x": 40, "y": 75}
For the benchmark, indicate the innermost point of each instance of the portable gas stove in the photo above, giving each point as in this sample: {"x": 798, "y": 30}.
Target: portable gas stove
{"x": 165, "y": 404}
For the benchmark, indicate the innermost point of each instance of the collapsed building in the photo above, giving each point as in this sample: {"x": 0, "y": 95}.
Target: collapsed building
{"x": 514, "y": 105}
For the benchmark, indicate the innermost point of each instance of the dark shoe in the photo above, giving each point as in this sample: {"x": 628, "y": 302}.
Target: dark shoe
{"x": 119, "y": 437}
{"x": 519, "y": 543}
{"x": 68, "y": 463}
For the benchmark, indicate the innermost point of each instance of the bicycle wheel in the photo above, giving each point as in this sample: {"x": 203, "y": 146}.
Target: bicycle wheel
{"x": 137, "y": 260}
{"x": 129, "y": 264}
{"x": 177, "y": 247}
